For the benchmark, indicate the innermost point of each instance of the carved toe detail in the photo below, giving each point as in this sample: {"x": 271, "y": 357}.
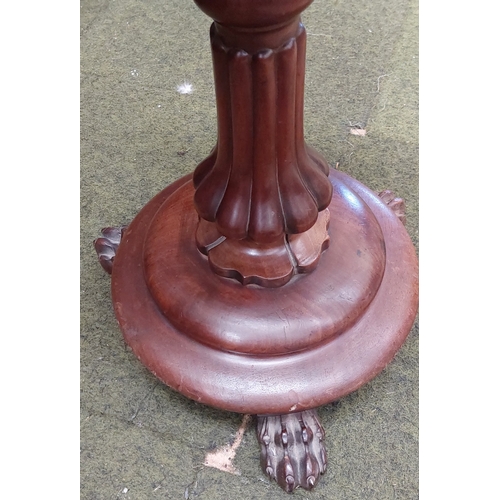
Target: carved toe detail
{"x": 292, "y": 448}
{"x": 396, "y": 204}
{"x": 107, "y": 245}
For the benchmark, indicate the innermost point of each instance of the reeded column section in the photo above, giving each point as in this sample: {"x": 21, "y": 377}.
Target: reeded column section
{"x": 262, "y": 183}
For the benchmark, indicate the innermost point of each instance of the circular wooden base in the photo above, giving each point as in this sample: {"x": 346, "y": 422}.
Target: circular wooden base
{"x": 266, "y": 351}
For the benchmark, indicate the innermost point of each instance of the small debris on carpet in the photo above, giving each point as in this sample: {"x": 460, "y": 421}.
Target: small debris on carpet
{"x": 357, "y": 131}
{"x": 185, "y": 88}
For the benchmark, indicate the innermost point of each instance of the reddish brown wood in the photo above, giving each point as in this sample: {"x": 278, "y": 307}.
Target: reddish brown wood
{"x": 269, "y": 264}
{"x": 292, "y": 448}
{"x": 395, "y": 203}
{"x": 221, "y": 313}
{"x": 194, "y": 348}
{"x": 256, "y": 14}
{"x": 261, "y": 183}
{"x": 307, "y": 247}
{"x": 107, "y": 244}
{"x": 231, "y": 369}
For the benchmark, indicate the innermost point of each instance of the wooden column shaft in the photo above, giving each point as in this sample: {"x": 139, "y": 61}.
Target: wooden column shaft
{"x": 261, "y": 181}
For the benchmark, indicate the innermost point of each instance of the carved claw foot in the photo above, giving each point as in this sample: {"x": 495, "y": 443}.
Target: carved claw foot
{"x": 107, "y": 245}
{"x": 396, "y": 204}
{"x": 292, "y": 448}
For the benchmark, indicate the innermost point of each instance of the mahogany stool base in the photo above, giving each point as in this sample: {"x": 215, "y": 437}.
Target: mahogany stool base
{"x": 268, "y": 352}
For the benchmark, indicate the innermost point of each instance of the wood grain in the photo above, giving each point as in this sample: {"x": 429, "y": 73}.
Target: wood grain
{"x": 330, "y": 365}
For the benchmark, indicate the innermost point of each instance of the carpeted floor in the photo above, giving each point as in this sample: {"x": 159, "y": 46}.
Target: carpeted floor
{"x": 139, "y": 439}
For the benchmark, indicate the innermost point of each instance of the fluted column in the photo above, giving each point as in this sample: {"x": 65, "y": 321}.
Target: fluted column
{"x": 260, "y": 192}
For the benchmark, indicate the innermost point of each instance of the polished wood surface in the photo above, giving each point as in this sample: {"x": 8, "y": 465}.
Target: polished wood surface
{"x": 270, "y": 264}
{"x": 292, "y": 448}
{"x": 198, "y": 364}
{"x": 221, "y": 313}
{"x": 262, "y": 182}
{"x": 107, "y": 245}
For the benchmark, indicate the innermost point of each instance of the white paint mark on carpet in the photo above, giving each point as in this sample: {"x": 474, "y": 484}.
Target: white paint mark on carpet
{"x": 357, "y": 131}
{"x": 222, "y": 458}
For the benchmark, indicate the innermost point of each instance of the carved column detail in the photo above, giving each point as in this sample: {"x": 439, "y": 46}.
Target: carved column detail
{"x": 261, "y": 183}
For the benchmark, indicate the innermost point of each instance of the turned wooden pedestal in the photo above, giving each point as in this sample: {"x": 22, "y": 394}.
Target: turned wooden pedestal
{"x": 265, "y": 283}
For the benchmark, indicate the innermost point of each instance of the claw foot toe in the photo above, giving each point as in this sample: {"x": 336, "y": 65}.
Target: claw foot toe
{"x": 107, "y": 245}
{"x": 397, "y": 205}
{"x": 292, "y": 448}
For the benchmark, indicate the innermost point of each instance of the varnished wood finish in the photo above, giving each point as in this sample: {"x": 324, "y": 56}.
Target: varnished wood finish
{"x": 193, "y": 360}
{"x": 254, "y": 16}
{"x": 261, "y": 182}
{"x": 221, "y": 313}
{"x": 269, "y": 264}
{"x": 307, "y": 247}
{"x": 396, "y": 204}
{"x": 107, "y": 245}
{"x": 292, "y": 448}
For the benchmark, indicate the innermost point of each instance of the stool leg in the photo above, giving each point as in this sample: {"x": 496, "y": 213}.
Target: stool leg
{"x": 107, "y": 245}
{"x": 292, "y": 448}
